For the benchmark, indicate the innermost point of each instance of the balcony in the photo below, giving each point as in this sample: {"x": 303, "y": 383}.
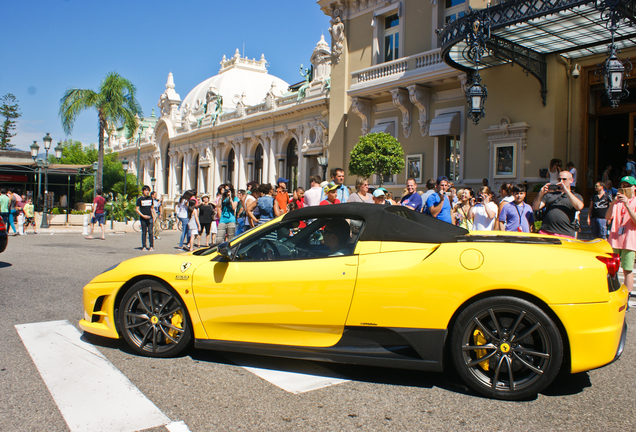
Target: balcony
{"x": 427, "y": 67}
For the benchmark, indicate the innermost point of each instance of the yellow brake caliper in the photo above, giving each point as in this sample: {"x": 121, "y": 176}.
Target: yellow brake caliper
{"x": 176, "y": 320}
{"x": 480, "y": 339}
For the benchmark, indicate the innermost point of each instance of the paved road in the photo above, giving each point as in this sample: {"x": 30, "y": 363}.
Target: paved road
{"x": 42, "y": 278}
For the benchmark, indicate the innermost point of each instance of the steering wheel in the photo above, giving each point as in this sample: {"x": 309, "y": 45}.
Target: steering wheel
{"x": 269, "y": 250}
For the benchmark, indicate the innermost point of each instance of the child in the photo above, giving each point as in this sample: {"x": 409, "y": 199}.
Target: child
{"x": 331, "y": 191}
{"x": 193, "y": 222}
{"x": 29, "y": 218}
{"x": 516, "y": 215}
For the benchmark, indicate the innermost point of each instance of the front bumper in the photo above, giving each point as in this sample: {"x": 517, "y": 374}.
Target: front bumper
{"x": 99, "y": 309}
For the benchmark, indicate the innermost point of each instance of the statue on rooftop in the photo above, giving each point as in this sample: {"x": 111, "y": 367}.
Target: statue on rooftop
{"x": 302, "y": 91}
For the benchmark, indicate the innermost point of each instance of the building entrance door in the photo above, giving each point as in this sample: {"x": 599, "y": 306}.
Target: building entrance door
{"x": 614, "y": 143}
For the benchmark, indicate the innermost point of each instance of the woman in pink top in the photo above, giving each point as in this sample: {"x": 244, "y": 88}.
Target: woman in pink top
{"x": 622, "y": 238}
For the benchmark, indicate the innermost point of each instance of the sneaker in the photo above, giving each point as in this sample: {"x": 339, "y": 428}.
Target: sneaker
{"x": 157, "y": 238}
{"x": 151, "y": 249}
{"x": 144, "y": 249}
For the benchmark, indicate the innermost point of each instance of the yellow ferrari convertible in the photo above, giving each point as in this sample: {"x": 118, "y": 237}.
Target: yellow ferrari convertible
{"x": 377, "y": 285}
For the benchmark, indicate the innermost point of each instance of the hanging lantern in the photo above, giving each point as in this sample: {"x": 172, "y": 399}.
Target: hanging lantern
{"x": 476, "y": 95}
{"x": 613, "y": 72}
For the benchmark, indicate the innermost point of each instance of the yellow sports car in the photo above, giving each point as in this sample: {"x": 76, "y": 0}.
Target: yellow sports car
{"x": 377, "y": 285}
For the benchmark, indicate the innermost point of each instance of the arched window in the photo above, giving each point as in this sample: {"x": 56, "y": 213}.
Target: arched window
{"x": 292, "y": 164}
{"x": 230, "y": 167}
{"x": 258, "y": 164}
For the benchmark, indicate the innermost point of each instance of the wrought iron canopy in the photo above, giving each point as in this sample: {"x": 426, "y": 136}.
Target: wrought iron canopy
{"x": 525, "y": 31}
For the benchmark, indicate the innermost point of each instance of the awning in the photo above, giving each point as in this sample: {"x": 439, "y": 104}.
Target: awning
{"x": 445, "y": 124}
{"x": 388, "y": 128}
{"x": 525, "y": 31}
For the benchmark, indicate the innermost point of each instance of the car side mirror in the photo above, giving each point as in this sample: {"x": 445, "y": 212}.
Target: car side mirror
{"x": 224, "y": 250}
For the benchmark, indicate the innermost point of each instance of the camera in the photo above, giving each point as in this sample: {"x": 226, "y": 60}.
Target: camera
{"x": 553, "y": 188}
{"x": 479, "y": 199}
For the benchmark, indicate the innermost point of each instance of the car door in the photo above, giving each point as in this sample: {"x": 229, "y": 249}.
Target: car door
{"x": 297, "y": 295}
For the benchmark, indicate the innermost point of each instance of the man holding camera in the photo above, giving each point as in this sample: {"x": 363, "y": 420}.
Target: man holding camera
{"x": 561, "y": 205}
{"x": 438, "y": 204}
{"x": 622, "y": 238}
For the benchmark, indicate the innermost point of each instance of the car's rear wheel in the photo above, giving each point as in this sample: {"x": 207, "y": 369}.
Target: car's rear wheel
{"x": 506, "y": 348}
{"x": 154, "y": 320}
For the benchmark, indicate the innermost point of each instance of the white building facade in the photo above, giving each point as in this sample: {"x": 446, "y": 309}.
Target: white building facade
{"x": 240, "y": 125}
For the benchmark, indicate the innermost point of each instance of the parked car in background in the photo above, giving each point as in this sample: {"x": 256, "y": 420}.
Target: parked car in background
{"x": 3, "y": 236}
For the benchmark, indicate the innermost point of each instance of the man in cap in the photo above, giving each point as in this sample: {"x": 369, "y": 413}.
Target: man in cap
{"x": 379, "y": 197}
{"x": 622, "y": 237}
{"x": 282, "y": 197}
{"x": 561, "y": 205}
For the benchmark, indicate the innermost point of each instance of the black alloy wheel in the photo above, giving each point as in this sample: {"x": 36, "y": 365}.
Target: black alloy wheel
{"x": 506, "y": 348}
{"x": 154, "y": 320}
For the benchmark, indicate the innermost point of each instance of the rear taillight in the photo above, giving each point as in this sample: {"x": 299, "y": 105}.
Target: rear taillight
{"x": 612, "y": 262}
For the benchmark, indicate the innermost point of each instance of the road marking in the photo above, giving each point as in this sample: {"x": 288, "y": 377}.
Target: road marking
{"x": 296, "y": 377}
{"x": 91, "y": 393}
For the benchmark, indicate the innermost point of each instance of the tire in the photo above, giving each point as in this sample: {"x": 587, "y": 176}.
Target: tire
{"x": 522, "y": 348}
{"x": 136, "y": 225}
{"x": 160, "y": 330}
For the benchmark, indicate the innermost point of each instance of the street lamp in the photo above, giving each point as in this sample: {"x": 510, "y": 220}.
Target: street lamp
{"x": 124, "y": 165}
{"x": 47, "y": 146}
{"x": 95, "y": 168}
{"x": 476, "y": 95}
{"x": 323, "y": 162}
{"x": 152, "y": 182}
{"x": 58, "y": 150}
{"x": 35, "y": 148}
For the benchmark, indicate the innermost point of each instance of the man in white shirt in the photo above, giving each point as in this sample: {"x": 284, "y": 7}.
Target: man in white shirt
{"x": 313, "y": 195}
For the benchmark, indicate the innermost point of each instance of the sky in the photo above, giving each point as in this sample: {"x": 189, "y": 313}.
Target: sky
{"x": 52, "y": 45}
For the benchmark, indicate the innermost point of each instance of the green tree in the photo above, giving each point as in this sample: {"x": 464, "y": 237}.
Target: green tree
{"x": 115, "y": 104}
{"x": 377, "y": 153}
{"x": 74, "y": 153}
{"x": 10, "y": 111}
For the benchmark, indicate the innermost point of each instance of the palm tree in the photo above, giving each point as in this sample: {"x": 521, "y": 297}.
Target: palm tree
{"x": 115, "y": 104}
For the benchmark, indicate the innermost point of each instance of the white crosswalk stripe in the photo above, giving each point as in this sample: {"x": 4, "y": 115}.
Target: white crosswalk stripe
{"x": 90, "y": 392}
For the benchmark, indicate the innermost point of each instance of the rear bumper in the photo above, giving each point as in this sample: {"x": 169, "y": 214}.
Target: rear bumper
{"x": 596, "y": 331}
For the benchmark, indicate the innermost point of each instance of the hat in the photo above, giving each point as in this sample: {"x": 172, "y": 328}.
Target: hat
{"x": 323, "y": 184}
{"x": 629, "y": 179}
{"x": 282, "y": 180}
{"x": 382, "y": 189}
{"x": 378, "y": 193}
{"x": 440, "y": 178}
{"x": 330, "y": 187}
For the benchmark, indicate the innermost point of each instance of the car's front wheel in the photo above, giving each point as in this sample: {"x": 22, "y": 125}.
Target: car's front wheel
{"x": 506, "y": 348}
{"x": 154, "y": 320}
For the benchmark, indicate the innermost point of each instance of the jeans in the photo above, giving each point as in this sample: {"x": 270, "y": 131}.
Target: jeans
{"x": 10, "y": 222}
{"x": 599, "y": 228}
{"x": 240, "y": 226}
{"x": 146, "y": 230}
{"x": 185, "y": 234}
{"x": 230, "y": 228}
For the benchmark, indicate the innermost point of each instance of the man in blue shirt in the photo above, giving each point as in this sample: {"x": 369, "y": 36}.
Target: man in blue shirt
{"x": 517, "y": 215}
{"x": 412, "y": 200}
{"x": 342, "y": 194}
{"x": 438, "y": 204}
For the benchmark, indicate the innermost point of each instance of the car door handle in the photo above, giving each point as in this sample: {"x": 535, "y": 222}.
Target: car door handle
{"x": 351, "y": 264}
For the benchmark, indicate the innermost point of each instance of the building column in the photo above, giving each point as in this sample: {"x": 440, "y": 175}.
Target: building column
{"x": 272, "y": 159}
{"x": 266, "y": 146}
{"x": 242, "y": 165}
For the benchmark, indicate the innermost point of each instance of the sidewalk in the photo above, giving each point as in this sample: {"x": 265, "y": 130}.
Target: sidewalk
{"x": 118, "y": 228}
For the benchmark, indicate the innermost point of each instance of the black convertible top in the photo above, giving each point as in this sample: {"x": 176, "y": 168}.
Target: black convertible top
{"x": 386, "y": 223}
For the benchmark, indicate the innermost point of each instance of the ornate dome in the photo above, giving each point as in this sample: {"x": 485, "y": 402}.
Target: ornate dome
{"x": 237, "y": 77}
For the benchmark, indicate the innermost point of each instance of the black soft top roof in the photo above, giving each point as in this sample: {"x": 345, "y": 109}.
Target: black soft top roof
{"x": 386, "y": 223}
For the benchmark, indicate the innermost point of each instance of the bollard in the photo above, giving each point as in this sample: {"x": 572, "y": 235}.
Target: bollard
{"x": 20, "y": 223}
{"x": 111, "y": 219}
{"x": 85, "y": 225}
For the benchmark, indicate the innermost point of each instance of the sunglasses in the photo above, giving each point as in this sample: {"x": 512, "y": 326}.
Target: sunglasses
{"x": 562, "y": 179}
